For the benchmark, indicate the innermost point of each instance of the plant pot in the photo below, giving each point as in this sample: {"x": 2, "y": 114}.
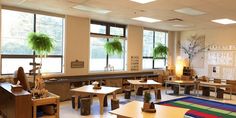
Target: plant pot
{"x": 146, "y": 105}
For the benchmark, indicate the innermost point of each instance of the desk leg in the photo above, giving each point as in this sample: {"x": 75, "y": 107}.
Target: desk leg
{"x": 101, "y": 100}
{"x": 135, "y": 90}
{"x": 91, "y": 98}
{"x": 215, "y": 92}
{"x": 166, "y": 87}
{"x": 179, "y": 89}
{"x": 58, "y": 108}
{"x": 230, "y": 93}
{"x": 76, "y": 102}
{"x": 35, "y": 111}
{"x": 114, "y": 95}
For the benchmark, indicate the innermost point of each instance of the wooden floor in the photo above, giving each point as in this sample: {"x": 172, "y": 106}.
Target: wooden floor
{"x": 66, "y": 110}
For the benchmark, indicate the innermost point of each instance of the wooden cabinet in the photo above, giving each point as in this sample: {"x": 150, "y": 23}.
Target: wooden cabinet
{"x": 52, "y": 99}
{"x": 14, "y": 104}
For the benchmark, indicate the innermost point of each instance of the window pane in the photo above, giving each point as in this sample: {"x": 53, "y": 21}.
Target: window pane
{"x": 97, "y": 54}
{"x": 100, "y": 29}
{"x": 147, "y": 43}
{"x": 10, "y": 65}
{"x": 52, "y": 26}
{"x": 15, "y": 28}
{"x": 117, "y": 31}
{"x": 160, "y": 37}
{"x": 117, "y": 61}
{"x": 147, "y": 63}
{"x": 50, "y": 64}
{"x": 159, "y": 63}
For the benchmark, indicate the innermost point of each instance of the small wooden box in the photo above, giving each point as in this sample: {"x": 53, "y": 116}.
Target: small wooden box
{"x": 16, "y": 88}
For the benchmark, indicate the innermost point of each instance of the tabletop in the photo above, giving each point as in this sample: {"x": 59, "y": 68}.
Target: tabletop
{"x": 149, "y": 82}
{"x": 89, "y": 89}
{"x": 181, "y": 82}
{"x": 133, "y": 110}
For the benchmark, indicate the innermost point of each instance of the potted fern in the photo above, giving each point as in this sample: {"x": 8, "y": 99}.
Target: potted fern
{"x": 41, "y": 44}
{"x": 113, "y": 47}
{"x": 160, "y": 51}
{"x": 146, "y": 99}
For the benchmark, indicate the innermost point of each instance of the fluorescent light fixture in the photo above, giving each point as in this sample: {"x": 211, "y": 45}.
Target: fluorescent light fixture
{"x": 142, "y": 1}
{"x": 91, "y": 9}
{"x": 224, "y": 21}
{"x": 146, "y": 19}
{"x": 180, "y": 26}
{"x": 190, "y": 11}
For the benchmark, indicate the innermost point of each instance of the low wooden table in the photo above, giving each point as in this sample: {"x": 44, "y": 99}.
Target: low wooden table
{"x": 149, "y": 83}
{"x": 180, "y": 83}
{"x": 51, "y": 99}
{"x": 99, "y": 92}
{"x": 215, "y": 86}
{"x": 133, "y": 110}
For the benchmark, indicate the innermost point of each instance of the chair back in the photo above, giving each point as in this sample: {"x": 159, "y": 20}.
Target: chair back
{"x": 21, "y": 76}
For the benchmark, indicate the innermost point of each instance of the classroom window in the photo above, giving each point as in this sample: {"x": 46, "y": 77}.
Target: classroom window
{"x": 99, "y": 59}
{"x": 16, "y": 25}
{"x": 150, "y": 39}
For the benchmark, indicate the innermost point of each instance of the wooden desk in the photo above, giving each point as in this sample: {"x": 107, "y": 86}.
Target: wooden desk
{"x": 180, "y": 83}
{"x": 215, "y": 86}
{"x": 99, "y": 92}
{"x": 14, "y": 104}
{"x": 51, "y": 99}
{"x": 133, "y": 110}
{"x": 149, "y": 83}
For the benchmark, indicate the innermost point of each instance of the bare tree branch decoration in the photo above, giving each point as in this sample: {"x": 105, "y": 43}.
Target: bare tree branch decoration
{"x": 193, "y": 46}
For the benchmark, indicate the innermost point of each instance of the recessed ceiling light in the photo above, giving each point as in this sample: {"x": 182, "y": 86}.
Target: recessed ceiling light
{"x": 142, "y": 1}
{"x": 190, "y": 11}
{"x": 91, "y": 9}
{"x": 146, "y": 19}
{"x": 224, "y": 21}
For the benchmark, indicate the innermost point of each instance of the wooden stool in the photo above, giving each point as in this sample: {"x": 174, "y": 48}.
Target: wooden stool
{"x": 105, "y": 101}
{"x": 158, "y": 94}
{"x": 176, "y": 90}
{"x": 127, "y": 93}
{"x": 220, "y": 93}
{"x": 187, "y": 90}
{"x": 85, "y": 106}
{"x": 205, "y": 91}
{"x": 114, "y": 104}
{"x": 140, "y": 91}
{"x": 73, "y": 102}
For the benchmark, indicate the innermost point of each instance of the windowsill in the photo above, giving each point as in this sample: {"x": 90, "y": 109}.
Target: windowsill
{"x": 115, "y": 72}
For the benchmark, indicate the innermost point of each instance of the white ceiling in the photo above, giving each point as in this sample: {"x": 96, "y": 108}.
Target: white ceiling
{"x": 124, "y": 10}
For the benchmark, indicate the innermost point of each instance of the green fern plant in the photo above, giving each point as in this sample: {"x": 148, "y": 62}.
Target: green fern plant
{"x": 41, "y": 43}
{"x": 113, "y": 47}
{"x": 160, "y": 51}
{"x": 147, "y": 97}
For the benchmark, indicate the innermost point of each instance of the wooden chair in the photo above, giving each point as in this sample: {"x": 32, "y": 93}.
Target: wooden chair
{"x": 20, "y": 75}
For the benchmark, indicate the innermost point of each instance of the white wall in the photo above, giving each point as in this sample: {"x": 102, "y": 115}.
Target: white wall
{"x": 135, "y": 44}
{"x": 77, "y": 39}
{"x": 221, "y": 36}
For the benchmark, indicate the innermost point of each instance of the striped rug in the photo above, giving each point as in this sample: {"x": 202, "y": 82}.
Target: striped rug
{"x": 201, "y": 108}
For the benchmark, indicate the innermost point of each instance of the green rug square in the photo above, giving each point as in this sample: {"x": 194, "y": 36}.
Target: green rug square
{"x": 184, "y": 103}
{"x": 219, "y": 111}
{"x": 233, "y": 114}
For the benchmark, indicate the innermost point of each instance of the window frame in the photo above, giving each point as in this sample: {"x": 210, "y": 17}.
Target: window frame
{"x": 106, "y": 37}
{"x": 27, "y": 56}
{"x": 154, "y": 43}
